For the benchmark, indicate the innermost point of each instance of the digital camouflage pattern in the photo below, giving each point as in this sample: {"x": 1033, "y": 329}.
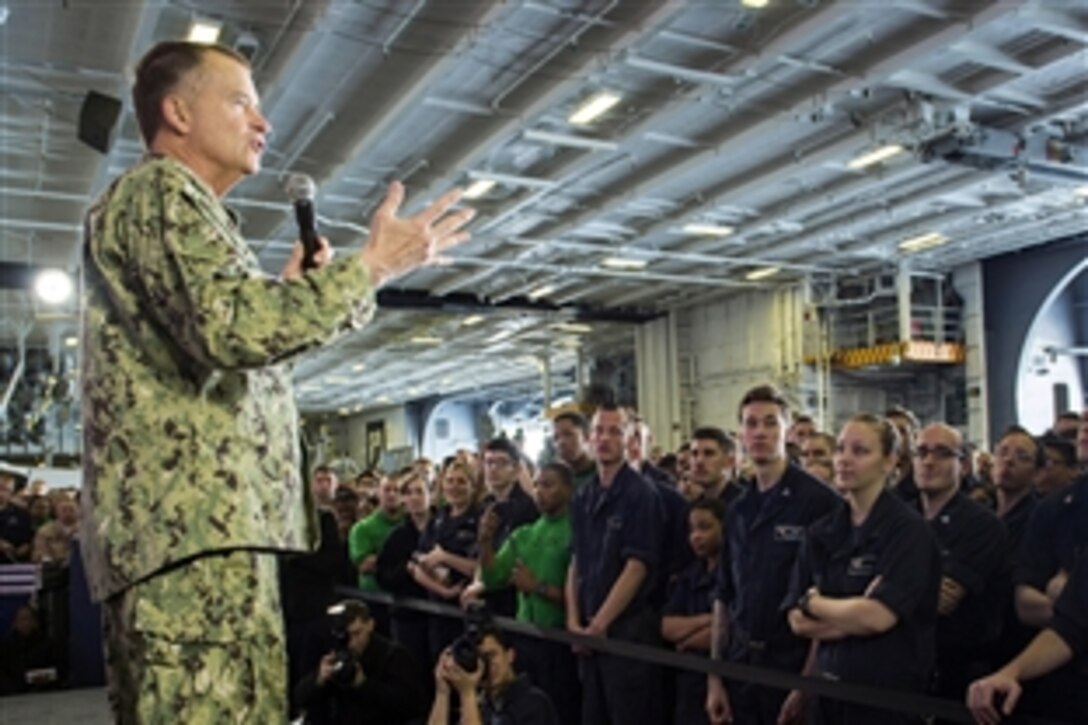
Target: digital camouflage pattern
{"x": 200, "y": 643}
{"x": 189, "y": 422}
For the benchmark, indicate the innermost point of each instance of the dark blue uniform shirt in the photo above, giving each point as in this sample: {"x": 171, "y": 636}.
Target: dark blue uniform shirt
{"x": 693, "y": 591}
{"x": 763, "y": 534}
{"x": 1071, "y": 611}
{"x": 15, "y": 526}
{"x": 973, "y": 547}
{"x": 842, "y": 560}
{"x": 1016, "y": 523}
{"x": 676, "y": 554}
{"x": 609, "y": 526}
{"x": 1057, "y": 533}
{"x": 455, "y": 534}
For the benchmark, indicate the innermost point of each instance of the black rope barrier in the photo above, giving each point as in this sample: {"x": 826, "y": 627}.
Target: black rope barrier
{"x": 897, "y": 700}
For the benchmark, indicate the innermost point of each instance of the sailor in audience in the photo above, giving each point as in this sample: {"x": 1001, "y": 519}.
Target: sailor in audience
{"x": 866, "y": 585}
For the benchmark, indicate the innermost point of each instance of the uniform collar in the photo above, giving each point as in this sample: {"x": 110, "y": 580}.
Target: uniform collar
{"x": 199, "y": 186}
{"x": 838, "y": 528}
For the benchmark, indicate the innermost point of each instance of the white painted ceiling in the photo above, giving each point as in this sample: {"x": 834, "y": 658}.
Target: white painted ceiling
{"x": 729, "y": 116}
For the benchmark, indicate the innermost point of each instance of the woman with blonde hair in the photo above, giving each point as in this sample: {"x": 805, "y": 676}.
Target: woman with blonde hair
{"x": 866, "y": 583}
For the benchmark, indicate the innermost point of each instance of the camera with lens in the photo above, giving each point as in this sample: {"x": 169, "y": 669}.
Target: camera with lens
{"x": 343, "y": 659}
{"x": 466, "y": 648}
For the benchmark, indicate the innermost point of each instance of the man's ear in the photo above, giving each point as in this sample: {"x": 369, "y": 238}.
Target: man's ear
{"x": 175, "y": 113}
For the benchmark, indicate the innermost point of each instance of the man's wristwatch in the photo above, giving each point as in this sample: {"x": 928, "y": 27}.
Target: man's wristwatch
{"x": 805, "y": 600}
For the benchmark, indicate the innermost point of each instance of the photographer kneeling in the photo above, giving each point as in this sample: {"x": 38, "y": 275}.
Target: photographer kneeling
{"x": 490, "y": 692}
{"x": 365, "y": 676}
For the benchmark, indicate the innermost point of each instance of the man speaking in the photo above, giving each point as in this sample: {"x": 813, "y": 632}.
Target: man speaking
{"x": 191, "y": 460}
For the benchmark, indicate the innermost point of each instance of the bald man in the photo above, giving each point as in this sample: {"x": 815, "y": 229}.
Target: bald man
{"x": 973, "y": 545}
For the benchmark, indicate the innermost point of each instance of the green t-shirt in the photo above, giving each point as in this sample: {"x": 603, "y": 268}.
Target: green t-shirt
{"x": 543, "y": 546}
{"x": 367, "y": 537}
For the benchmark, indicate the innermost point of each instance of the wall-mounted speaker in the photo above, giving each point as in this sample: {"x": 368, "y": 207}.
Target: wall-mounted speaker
{"x": 97, "y": 120}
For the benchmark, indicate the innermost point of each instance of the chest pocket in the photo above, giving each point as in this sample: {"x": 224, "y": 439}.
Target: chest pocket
{"x": 860, "y": 570}
{"x": 613, "y": 532}
{"x": 787, "y": 534}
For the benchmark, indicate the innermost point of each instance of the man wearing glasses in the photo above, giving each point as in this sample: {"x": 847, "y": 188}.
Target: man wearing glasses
{"x": 508, "y": 506}
{"x": 973, "y": 555}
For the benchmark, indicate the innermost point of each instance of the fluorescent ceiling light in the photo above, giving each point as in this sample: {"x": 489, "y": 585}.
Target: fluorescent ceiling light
{"x": 478, "y": 188}
{"x": 472, "y": 320}
{"x": 754, "y": 3}
{"x": 924, "y": 241}
{"x": 876, "y": 156}
{"x": 624, "y": 263}
{"x": 594, "y": 108}
{"x": 500, "y": 336}
{"x": 204, "y": 31}
{"x": 566, "y": 139}
{"x": 358, "y": 367}
{"x": 708, "y": 230}
{"x": 71, "y": 341}
{"x": 542, "y": 291}
{"x": 762, "y": 273}
{"x": 426, "y": 340}
{"x": 53, "y": 286}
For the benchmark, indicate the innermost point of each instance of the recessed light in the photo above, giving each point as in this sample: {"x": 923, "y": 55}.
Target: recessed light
{"x": 205, "y": 32}
{"x": 358, "y": 367}
{"x": 708, "y": 230}
{"x": 754, "y": 3}
{"x": 71, "y": 341}
{"x": 472, "y": 320}
{"x": 595, "y": 107}
{"x": 426, "y": 340}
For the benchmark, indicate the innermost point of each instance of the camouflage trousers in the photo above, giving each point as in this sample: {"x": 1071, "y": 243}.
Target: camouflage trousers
{"x": 199, "y": 644}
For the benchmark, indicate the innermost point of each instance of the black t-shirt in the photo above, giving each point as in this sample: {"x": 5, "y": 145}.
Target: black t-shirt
{"x": 391, "y": 569}
{"x": 15, "y": 526}
{"x": 519, "y": 704}
{"x": 973, "y": 546}
{"x": 392, "y": 691}
{"x": 1056, "y": 535}
{"x": 1071, "y": 612}
{"x": 455, "y": 534}
{"x": 842, "y": 560}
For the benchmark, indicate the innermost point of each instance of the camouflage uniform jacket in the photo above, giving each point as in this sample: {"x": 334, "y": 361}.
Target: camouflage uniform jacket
{"x": 190, "y": 432}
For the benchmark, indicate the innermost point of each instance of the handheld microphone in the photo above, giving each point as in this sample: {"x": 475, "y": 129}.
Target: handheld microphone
{"x": 301, "y": 190}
